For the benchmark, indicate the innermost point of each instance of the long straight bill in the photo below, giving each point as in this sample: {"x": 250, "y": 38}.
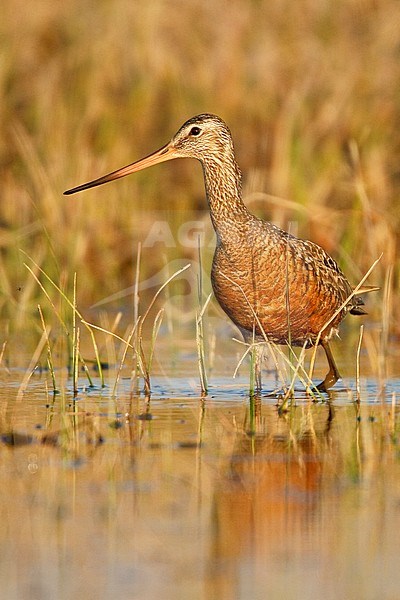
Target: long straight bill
{"x": 165, "y": 153}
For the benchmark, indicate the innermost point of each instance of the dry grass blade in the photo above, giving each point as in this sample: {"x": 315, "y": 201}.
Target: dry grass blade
{"x": 160, "y": 289}
{"x": 341, "y": 307}
{"x": 200, "y": 346}
{"x": 46, "y": 331}
{"x": 358, "y": 386}
{"x": 3, "y": 349}
{"x": 122, "y": 362}
{"x": 145, "y": 364}
{"x": 257, "y": 321}
{"x": 75, "y": 312}
{"x": 75, "y": 342}
{"x": 200, "y": 324}
{"x": 32, "y": 366}
{"x": 255, "y": 356}
{"x": 108, "y": 332}
{"x": 387, "y": 311}
{"x": 299, "y": 365}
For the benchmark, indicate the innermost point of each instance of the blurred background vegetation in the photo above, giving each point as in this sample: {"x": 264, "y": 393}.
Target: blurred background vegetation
{"x": 310, "y": 90}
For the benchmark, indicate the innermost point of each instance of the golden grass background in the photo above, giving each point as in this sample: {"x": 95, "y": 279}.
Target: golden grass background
{"x": 310, "y": 89}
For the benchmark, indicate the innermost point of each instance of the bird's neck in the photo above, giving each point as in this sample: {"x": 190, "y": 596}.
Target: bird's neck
{"x": 223, "y": 182}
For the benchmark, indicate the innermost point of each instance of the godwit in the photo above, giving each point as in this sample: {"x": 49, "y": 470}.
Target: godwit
{"x": 270, "y": 283}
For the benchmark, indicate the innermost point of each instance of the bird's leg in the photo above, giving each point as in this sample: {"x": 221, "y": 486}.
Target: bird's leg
{"x": 333, "y": 374}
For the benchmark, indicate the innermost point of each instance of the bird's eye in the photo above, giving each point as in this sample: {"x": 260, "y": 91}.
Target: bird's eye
{"x": 195, "y": 131}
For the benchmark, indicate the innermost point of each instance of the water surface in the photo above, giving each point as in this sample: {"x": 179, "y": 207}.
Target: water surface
{"x": 183, "y": 497}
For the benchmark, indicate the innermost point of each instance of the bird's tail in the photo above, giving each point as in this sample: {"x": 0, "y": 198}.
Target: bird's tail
{"x": 358, "y": 302}
{"x": 366, "y": 289}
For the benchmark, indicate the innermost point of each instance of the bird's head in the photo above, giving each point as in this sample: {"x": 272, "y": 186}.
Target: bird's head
{"x": 205, "y": 137}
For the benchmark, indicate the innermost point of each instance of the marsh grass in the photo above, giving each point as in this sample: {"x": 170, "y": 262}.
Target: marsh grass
{"x": 254, "y": 356}
{"x": 310, "y": 93}
{"x": 49, "y": 359}
{"x": 145, "y": 361}
{"x": 310, "y": 140}
{"x": 358, "y": 387}
{"x": 387, "y": 313}
{"x": 200, "y": 342}
{"x": 290, "y": 368}
{"x": 75, "y": 353}
{"x": 31, "y": 367}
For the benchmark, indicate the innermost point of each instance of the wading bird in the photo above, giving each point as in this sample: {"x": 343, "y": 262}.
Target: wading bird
{"x": 272, "y": 285}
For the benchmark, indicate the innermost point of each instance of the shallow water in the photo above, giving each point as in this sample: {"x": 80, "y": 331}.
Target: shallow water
{"x": 182, "y": 497}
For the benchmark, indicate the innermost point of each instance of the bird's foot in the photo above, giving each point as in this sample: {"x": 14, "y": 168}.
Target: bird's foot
{"x": 321, "y": 387}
